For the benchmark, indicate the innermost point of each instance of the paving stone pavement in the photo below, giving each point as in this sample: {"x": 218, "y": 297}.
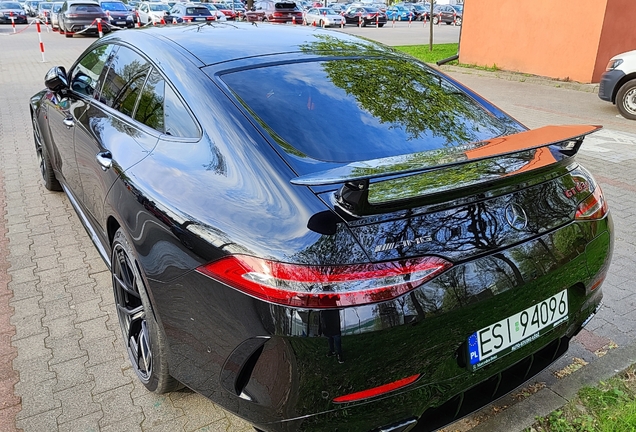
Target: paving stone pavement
{"x": 63, "y": 365}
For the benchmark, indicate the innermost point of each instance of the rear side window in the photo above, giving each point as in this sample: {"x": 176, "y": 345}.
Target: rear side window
{"x": 124, "y": 80}
{"x": 179, "y": 122}
{"x": 150, "y": 108}
{"x": 85, "y": 75}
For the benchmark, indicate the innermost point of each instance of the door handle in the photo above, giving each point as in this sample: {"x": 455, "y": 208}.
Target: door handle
{"x": 68, "y": 122}
{"x": 105, "y": 159}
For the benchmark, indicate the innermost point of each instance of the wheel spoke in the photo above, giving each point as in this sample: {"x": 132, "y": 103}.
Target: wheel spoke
{"x": 124, "y": 286}
{"x": 131, "y": 312}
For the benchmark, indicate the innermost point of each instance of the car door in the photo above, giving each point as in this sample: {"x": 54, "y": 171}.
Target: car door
{"x": 108, "y": 140}
{"x": 144, "y": 12}
{"x": 64, "y": 112}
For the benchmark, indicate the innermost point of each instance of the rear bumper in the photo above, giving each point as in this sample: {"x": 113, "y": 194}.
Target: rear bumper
{"x": 86, "y": 27}
{"x": 273, "y": 368}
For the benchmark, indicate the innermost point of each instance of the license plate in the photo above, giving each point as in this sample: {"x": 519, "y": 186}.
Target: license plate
{"x": 199, "y": 19}
{"x": 120, "y": 22}
{"x": 510, "y": 334}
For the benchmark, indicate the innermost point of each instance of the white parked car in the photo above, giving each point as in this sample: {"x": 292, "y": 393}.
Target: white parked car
{"x": 618, "y": 84}
{"x": 323, "y": 17}
{"x": 150, "y": 12}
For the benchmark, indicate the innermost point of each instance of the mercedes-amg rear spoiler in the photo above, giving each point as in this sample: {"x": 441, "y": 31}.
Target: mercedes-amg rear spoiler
{"x": 564, "y": 139}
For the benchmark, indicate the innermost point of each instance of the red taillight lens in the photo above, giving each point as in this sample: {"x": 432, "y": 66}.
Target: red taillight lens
{"x": 376, "y": 391}
{"x": 593, "y": 207}
{"x": 323, "y": 286}
{"x": 277, "y": 14}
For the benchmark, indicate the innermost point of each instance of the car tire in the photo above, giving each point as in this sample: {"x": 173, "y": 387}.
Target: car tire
{"x": 458, "y": 21}
{"x": 145, "y": 343}
{"x": 46, "y": 168}
{"x": 380, "y": 25}
{"x": 626, "y": 100}
{"x": 435, "y": 20}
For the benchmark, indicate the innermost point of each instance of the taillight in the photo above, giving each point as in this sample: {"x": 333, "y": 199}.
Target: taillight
{"x": 376, "y": 391}
{"x": 593, "y": 207}
{"x": 323, "y": 286}
{"x": 277, "y": 14}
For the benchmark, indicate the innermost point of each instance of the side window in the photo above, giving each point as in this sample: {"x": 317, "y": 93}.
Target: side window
{"x": 85, "y": 75}
{"x": 150, "y": 108}
{"x": 179, "y": 122}
{"x": 124, "y": 80}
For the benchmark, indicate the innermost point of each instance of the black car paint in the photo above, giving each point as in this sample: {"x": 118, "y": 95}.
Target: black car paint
{"x": 219, "y": 337}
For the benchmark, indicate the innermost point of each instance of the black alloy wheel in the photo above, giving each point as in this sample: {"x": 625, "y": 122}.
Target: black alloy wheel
{"x": 46, "y": 169}
{"x": 144, "y": 343}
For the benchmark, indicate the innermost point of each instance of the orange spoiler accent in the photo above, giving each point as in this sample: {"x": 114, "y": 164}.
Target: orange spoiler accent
{"x": 443, "y": 158}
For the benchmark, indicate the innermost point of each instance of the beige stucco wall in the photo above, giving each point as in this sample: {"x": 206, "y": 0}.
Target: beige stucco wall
{"x": 564, "y": 39}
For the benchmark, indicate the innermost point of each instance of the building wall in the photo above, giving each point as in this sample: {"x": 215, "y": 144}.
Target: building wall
{"x": 618, "y": 34}
{"x": 564, "y": 39}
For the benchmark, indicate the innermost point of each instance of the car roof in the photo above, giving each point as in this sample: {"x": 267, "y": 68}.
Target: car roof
{"x": 86, "y": 2}
{"x": 208, "y": 43}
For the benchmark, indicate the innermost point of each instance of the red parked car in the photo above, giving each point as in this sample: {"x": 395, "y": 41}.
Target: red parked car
{"x": 227, "y": 11}
{"x": 277, "y": 12}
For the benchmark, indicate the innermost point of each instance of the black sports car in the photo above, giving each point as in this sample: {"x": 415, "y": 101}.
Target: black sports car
{"x": 422, "y": 255}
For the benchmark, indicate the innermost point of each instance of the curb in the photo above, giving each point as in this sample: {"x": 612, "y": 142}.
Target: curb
{"x": 521, "y": 77}
{"x": 523, "y": 414}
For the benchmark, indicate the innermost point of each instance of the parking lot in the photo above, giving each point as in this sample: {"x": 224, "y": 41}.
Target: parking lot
{"x": 63, "y": 362}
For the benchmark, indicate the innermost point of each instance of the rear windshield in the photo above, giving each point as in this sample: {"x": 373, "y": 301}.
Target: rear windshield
{"x": 349, "y": 110}
{"x": 286, "y": 5}
{"x": 10, "y": 6}
{"x": 197, "y": 11}
{"x": 85, "y": 8}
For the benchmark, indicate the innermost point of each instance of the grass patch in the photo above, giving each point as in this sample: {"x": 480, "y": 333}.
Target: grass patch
{"x": 440, "y": 51}
{"x": 609, "y": 407}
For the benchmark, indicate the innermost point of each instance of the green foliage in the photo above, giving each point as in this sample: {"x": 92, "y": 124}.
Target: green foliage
{"x": 609, "y": 407}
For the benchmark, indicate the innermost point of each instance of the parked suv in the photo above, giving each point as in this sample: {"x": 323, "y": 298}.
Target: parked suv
{"x": 80, "y": 16}
{"x": 618, "y": 84}
{"x": 278, "y": 12}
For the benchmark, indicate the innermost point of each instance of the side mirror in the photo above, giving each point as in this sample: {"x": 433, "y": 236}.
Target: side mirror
{"x": 56, "y": 79}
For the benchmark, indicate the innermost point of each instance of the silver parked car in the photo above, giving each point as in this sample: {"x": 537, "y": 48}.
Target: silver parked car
{"x": 55, "y": 10}
{"x": 323, "y": 17}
